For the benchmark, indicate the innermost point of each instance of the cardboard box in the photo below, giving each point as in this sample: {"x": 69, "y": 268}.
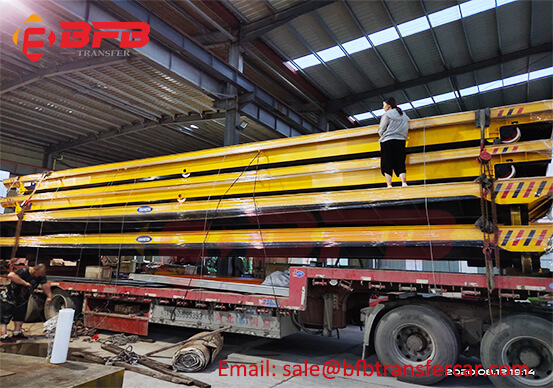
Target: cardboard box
{"x": 97, "y": 272}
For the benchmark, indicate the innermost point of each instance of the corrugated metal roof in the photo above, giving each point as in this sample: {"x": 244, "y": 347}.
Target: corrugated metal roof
{"x": 396, "y": 58}
{"x": 453, "y": 45}
{"x": 92, "y": 101}
{"x": 456, "y": 43}
{"x": 339, "y": 21}
{"x": 541, "y": 26}
{"x": 281, "y": 5}
{"x": 332, "y": 86}
{"x": 353, "y": 74}
{"x": 374, "y": 68}
{"x": 425, "y": 52}
{"x": 481, "y": 31}
{"x": 311, "y": 31}
{"x": 513, "y": 22}
{"x": 372, "y": 15}
{"x": 404, "y": 11}
{"x": 253, "y": 10}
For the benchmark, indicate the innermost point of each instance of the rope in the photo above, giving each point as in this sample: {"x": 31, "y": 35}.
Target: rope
{"x": 25, "y": 205}
{"x": 42, "y": 222}
{"x": 259, "y": 227}
{"x": 201, "y": 256}
{"x": 123, "y": 225}
{"x": 126, "y": 355}
{"x": 120, "y": 339}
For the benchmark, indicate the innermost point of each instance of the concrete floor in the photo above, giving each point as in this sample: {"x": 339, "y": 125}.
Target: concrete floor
{"x": 245, "y": 349}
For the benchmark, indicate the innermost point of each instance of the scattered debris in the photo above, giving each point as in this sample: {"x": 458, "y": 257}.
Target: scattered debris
{"x": 101, "y": 360}
{"x": 89, "y": 357}
{"x": 50, "y": 329}
{"x": 79, "y": 330}
{"x": 120, "y": 339}
{"x": 93, "y": 338}
{"x": 181, "y": 343}
{"x": 126, "y": 355}
{"x": 200, "y": 351}
{"x": 152, "y": 364}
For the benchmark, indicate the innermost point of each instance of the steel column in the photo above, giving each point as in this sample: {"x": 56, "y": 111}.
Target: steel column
{"x": 232, "y": 116}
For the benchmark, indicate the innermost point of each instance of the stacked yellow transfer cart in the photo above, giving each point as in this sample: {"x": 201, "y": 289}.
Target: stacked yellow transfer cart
{"x": 317, "y": 196}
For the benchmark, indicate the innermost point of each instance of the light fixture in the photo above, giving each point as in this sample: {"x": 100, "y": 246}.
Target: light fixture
{"x": 243, "y": 124}
{"x": 194, "y": 126}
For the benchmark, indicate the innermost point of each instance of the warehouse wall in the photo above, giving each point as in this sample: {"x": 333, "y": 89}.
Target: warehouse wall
{"x": 21, "y": 158}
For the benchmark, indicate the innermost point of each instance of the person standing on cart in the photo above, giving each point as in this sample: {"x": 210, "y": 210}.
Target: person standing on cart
{"x": 394, "y": 125}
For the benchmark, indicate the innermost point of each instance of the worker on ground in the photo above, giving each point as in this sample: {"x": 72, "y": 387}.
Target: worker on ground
{"x": 13, "y": 300}
{"x": 394, "y": 125}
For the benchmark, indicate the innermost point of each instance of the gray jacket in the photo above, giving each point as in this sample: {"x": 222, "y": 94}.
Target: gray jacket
{"x": 393, "y": 126}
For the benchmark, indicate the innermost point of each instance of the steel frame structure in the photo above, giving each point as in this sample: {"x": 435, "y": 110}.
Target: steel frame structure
{"x": 194, "y": 64}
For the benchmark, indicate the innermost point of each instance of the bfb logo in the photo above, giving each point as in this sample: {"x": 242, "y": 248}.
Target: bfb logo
{"x": 77, "y": 35}
{"x": 28, "y": 43}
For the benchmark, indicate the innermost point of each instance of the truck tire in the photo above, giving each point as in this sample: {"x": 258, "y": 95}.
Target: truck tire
{"x": 411, "y": 335}
{"x": 520, "y": 340}
{"x": 60, "y": 300}
{"x": 35, "y": 307}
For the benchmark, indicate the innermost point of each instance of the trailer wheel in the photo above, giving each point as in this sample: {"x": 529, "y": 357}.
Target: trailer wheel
{"x": 35, "y": 306}
{"x": 520, "y": 340}
{"x": 411, "y": 335}
{"x": 60, "y": 300}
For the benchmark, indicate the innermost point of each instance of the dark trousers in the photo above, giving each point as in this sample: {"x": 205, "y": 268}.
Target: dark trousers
{"x": 9, "y": 311}
{"x": 392, "y": 157}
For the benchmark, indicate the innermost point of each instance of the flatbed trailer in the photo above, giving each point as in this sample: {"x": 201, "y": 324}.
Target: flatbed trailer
{"x": 305, "y": 282}
{"x": 327, "y": 299}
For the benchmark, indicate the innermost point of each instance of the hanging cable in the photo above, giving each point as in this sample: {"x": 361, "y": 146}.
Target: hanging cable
{"x": 426, "y": 208}
{"x": 201, "y": 256}
{"x": 123, "y": 225}
{"x": 260, "y": 231}
{"x": 24, "y": 206}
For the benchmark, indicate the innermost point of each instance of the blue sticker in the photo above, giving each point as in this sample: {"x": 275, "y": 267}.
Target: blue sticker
{"x": 300, "y": 273}
{"x": 143, "y": 239}
{"x": 144, "y": 209}
{"x": 269, "y": 302}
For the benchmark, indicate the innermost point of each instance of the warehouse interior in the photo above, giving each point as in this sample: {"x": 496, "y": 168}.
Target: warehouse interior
{"x": 189, "y": 165}
{"x": 113, "y": 109}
